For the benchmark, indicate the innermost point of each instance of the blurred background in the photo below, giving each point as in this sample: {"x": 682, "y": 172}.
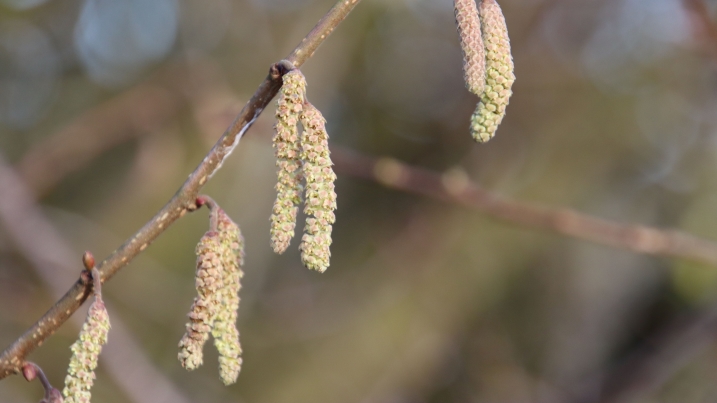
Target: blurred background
{"x": 106, "y": 107}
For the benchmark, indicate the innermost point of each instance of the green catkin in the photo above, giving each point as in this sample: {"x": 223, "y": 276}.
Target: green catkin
{"x": 469, "y": 31}
{"x": 289, "y": 172}
{"x": 499, "y": 73}
{"x": 225, "y": 333}
{"x": 320, "y": 197}
{"x": 85, "y": 351}
{"x": 208, "y": 282}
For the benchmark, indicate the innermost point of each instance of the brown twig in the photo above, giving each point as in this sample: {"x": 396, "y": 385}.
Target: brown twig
{"x": 13, "y": 357}
{"x": 455, "y": 187}
{"x": 34, "y": 236}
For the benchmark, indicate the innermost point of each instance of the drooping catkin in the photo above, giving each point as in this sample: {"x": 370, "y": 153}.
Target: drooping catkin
{"x": 286, "y": 147}
{"x": 86, "y": 350}
{"x": 208, "y": 281}
{"x": 469, "y": 31}
{"x": 320, "y": 198}
{"x": 225, "y": 333}
{"x": 499, "y": 72}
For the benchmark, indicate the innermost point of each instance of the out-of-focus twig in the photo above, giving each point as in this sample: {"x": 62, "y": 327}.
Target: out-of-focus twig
{"x": 655, "y": 361}
{"x": 135, "y": 112}
{"x": 13, "y": 357}
{"x": 705, "y": 27}
{"x": 455, "y": 187}
{"x": 40, "y": 243}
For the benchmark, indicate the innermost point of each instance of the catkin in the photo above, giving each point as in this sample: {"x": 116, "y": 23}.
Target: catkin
{"x": 320, "y": 197}
{"x": 225, "y": 333}
{"x": 499, "y": 73}
{"x": 469, "y": 31}
{"x": 286, "y": 145}
{"x": 220, "y": 257}
{"x": 208, "y": 281}
{"x": 85, "y": 351}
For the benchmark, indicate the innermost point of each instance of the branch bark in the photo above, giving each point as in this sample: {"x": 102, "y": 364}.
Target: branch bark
{"x": 456, "y": 188}
{"x": 12, "y": 359}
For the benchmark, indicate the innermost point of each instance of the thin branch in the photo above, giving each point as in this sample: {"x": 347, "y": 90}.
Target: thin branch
{"x": 455, "y": 187}
{"x": 34, "y": 236}
{"x": 13, "y": 357}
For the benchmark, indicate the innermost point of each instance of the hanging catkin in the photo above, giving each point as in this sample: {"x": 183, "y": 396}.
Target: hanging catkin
{"x": 87, "y": 348}
{"x": 320, "y": 200}
{"x": 499, "y": 73}
{"x": 286, "y": 147}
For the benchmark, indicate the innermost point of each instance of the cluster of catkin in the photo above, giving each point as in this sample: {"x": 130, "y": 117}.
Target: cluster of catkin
{"x": 302, "y": 158}
{"x": 87, "y": 348}
{"x": 220, "y": 256}
{"x": 487, "y": 62}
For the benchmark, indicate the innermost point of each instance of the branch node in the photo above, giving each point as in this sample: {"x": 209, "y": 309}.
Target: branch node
{"x": 278, "y": 70}
{"x": 86, "y": 277}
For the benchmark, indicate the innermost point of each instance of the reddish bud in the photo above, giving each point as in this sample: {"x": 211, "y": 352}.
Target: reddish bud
{"x": 29, "y": 371}
{"x": 88, "y": 260}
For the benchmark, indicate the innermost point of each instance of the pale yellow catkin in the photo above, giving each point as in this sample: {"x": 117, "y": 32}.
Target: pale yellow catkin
{"x": 499, "y": 73}
{"x": 220, "y": 257}
{"x": 225, "y": 332}
{"x": 208, "y": 282}
{"x": 289, "y": 171}
{"x": 469, "y": 32}
{"x": 320, "y": 200}
{"x": 85, "y": 351}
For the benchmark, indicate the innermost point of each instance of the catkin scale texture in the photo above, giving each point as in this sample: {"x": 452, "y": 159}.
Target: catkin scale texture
{"x": 85, "y": 351}
{"x": 469, "y": 32}
{"x": 289, "y": 169}
{"x": 499, "y": 75}
{"x": 208, "y": 282}
{"x": 320, "y": 198}
{"x": 225, "y": 332}
{"x": 220, "y": 256}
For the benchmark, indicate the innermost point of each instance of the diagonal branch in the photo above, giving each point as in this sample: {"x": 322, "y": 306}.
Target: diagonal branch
{"x": 13, "y": 357}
